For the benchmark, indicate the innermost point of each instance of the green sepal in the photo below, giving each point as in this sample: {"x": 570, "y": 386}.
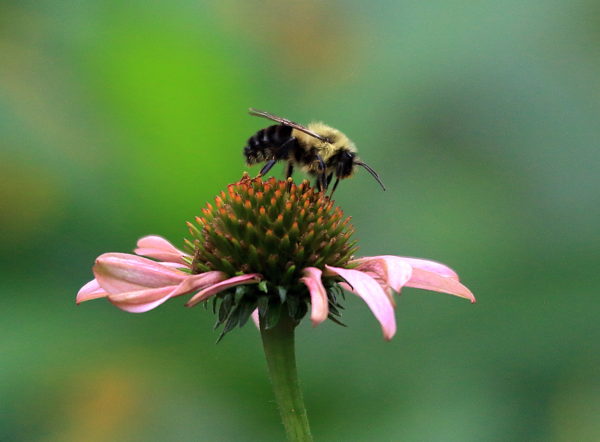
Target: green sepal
{"x": 333, "y": 310}
{"x": 246, "y": 310}
{"x": 301, "y": 311}
{"x": 263, "y": 306}
{"x": 292, "y": 306}
{"x": 273, "y": 314}
{"x": 262, "y": 286}
{"x": 337, "y": 321}
{"x": 225, "y": 307}
{"x": 282, "y": 292}
{"x": 232, "y": 322}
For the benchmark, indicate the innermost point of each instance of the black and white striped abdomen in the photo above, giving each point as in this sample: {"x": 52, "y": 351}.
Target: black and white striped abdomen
{"x": 264, "y": 145}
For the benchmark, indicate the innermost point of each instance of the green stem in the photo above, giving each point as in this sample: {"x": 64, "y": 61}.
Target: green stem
{"x": 278, "y": 343}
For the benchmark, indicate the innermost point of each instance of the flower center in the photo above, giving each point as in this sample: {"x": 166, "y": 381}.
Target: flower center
{"x": 275, "y": 228}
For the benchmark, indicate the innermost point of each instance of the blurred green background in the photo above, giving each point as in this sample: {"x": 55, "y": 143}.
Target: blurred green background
{"x": 121, "y": 119}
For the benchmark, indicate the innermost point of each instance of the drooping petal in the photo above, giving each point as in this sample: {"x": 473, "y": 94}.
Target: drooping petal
{"x": 256, "y": 318}
{"x": 159, "y": 248}
{"x": 371, "y": 292}
{"x": 251, "y": 278}
{"x": 121, "y": 272}
{"x": 422, "y": 279}
{"x": 91, "y": 290}
{"x": 140, "y": 301}
{"x": 393, "y": 269}
{"x": 424, "y": 264}
{"x": 198, "y": 282}
{"x": 318, "y": 295}
{"x": 430, "y": 266}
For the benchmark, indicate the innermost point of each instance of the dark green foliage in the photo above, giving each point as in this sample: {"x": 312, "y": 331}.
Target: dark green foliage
{"x": 235, "y": 306}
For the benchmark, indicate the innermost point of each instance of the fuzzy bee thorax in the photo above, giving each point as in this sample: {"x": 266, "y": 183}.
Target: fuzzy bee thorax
{"x": 337, "y": 140}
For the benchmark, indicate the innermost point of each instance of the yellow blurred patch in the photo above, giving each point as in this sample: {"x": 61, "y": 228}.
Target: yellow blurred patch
{"x": 309, "y": 39}
{"x": 102, "y": 406}
{"x": 31, "y": 200}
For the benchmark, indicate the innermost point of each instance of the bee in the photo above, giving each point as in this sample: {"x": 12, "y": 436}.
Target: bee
{"x": 319, "y": 150}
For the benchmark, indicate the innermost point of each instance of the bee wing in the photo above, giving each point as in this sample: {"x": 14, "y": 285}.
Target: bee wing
{"x": 287, "y": 122}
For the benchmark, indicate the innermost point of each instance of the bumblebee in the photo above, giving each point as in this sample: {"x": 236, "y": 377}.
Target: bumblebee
{"x": 319, "y": 150}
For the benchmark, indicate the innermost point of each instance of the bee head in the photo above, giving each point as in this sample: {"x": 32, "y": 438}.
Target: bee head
{"x": 345, "y": 163}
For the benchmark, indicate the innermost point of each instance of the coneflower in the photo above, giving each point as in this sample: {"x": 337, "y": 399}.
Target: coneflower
{"x": 272, "y": 250}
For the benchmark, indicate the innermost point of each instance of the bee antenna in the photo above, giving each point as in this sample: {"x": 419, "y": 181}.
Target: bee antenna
{"x": 371, "y": 171}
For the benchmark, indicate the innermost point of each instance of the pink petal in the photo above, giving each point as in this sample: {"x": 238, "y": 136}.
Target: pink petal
{"x": 159, "y": 248}
{"x": 198, "y": 282}
{"x": 91, "y": 290}
{"x": 431, "y": 266}
{"x": 371, "y": 292}
{"x": 318, "y": 295}
{"x": 174, "y": 265}
{"x": 423, "y": 279}
{"x": 143, "y": 299}
{"x": 251, "y": 278}
{"x": 393, "y": 269}
{"x": 256, "y": 318}
{"x": 121, "y": 272}
{"x": 140, "y": 301}
{"x": 424, "y": 264}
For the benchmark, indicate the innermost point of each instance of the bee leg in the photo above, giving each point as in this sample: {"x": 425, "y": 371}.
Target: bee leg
{"x": 283, "y": 153}
{"x": 329, "y": 178}
{"x": 289, "y": 169}
{"x": 321, "y": 184}
{"x": 322, "y": 177}
{"x": 267, "y": 167}
{"x": 337, "y": 180}
{"x": 338, "y": 172}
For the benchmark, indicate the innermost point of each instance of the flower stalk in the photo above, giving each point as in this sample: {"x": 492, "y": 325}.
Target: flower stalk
{"x": 278, "y": 344}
